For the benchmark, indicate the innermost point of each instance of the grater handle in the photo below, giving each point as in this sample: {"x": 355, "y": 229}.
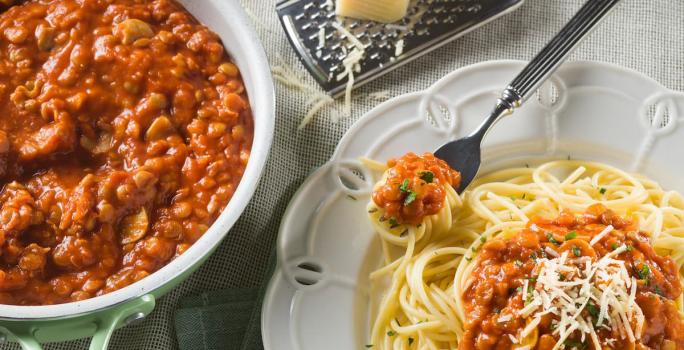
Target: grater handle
{"x": 556, "y": 51}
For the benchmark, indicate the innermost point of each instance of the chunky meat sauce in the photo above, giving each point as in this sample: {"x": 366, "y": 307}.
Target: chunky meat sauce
{"x": 503, "y": 263}
{"x": 124, "y": 131}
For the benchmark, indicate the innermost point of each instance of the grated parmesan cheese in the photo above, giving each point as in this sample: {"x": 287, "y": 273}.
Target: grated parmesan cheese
{"x": 602, "y": 234}
{"x": 585, "y": 285}
{"x": 399, "y": 48}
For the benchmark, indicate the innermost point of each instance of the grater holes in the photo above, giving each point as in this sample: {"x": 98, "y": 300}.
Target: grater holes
{"x": 432, "y": 21}
{"x": 474, "y": 8}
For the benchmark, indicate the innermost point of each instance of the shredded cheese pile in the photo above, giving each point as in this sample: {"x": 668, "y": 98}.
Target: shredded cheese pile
{"x": 584, "y": 296}
{"x": 317, "y": 100}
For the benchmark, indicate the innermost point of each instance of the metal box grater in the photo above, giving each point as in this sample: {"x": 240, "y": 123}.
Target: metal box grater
{"x": 428, "y": 25}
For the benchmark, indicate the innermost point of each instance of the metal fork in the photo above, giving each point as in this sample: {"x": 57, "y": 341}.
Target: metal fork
{"x": 464, "y": 154}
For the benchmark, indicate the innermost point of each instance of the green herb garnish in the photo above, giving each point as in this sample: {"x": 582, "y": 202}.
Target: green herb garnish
{"x": 368, "y": 346}
{"x": 570, "y": 235}
{"x": 404, "y": 186}
{"x": 614, "y": 246}
{"x": 483, "y": 239}
{"x": 391, "y": 333}
{"x": 576, "y": 251}
{"x": 393, "y": 222}
{"x": 410, "y": 340}
{"x": 602, "y": 190}
{"x": 409, "y": 198}
{"x": 658, "y": 291}
{"x": 551, "y": 239}
{"x": 574, "y": 344}
{"x": 644, "y": 273}
{"x": 593, "y": 310}
{"x": 427, "y": 176}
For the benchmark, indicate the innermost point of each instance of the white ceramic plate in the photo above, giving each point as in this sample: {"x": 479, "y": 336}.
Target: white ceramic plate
{"x": 318, "y": 297}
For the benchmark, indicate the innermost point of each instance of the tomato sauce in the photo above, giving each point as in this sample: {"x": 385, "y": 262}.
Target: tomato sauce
{"x": 414, "y": 187}
{"x": 124, "y": 131}
{"x": 503, "y": 263}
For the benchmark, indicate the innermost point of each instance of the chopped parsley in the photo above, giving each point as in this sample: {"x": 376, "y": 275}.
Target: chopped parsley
{"x": 574, "y": 344}
{"x": 410, "y": 198}
{"x": 658, "y": 291}
{"x": 614, "y": 246}
{"x": 602, "y": 190}
{"x": 404, "y": 186}
{"x": 393, "y": 222}
{"x": 570, "y": 235}
{"x": 551, "y": 239}
{"x": 351, "y": 197}
{"x": 368, "y": 346}
{"x": 403, "y": 233}
{"x": 630, "y": 248}
{"x": 576, "y": 251}
{"x": 410, "y": 340}
{"x": 372, "y": 210}
{"x": 644, "y": 273}
{"x": 593, "y": 310}
{"x": 561, "y": 277}
{"x": 483, "y": 239}
{"x": 468, "y": 259}
{"x": 391, "y": 333}
{"x": 427, "y": 176}
{"x": 533, "y": 256}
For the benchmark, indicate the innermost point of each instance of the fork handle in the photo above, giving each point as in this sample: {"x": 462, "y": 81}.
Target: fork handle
{"x": 556, "y": 51}
{"x": 547, "y": 60}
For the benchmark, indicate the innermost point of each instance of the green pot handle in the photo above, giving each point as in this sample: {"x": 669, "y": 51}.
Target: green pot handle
{"x": 123, "y": 315}
{"x": 105, "y": 323}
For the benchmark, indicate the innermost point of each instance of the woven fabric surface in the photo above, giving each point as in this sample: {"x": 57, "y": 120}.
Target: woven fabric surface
{"x": 645, "y": 35}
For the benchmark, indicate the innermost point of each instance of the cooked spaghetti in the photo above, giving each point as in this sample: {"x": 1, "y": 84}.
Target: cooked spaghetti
{"x": 569, "y": 254}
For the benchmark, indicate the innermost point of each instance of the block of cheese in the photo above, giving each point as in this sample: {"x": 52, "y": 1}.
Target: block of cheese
{"x": 385, "y": 11}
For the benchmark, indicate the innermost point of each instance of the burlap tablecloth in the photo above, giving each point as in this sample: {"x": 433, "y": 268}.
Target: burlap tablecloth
{"x": 646, "y": 35}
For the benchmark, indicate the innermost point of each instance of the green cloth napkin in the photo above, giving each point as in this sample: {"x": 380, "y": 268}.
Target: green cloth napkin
{"x": 224, "y": 319}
